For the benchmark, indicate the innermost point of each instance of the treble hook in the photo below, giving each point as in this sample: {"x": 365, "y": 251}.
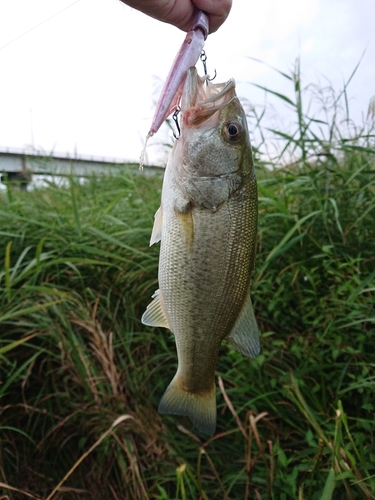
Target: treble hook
{"x": 203, "y": 58}
{"x": 175, "y": 119}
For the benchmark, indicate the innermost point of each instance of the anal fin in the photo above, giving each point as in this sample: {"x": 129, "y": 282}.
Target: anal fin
{"x": 244, "y": 336}
{"x": 154, "y": 314}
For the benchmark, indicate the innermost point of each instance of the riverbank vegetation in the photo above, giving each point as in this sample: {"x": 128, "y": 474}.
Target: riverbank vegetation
{"x": 81, "y": 377}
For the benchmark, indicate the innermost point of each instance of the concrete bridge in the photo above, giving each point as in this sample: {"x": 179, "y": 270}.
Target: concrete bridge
{"x": 21, "y": 166}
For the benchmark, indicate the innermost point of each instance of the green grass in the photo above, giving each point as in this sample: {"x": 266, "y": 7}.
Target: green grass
{"x": 81, "y": 377}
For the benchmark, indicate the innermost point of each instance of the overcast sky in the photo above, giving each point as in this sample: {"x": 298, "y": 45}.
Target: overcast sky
{"x": 86, "y": 80}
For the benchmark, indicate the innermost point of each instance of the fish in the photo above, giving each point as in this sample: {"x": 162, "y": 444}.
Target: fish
{"x": 207, "y": 226}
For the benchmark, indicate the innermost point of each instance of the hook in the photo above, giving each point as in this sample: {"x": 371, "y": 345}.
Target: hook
{"x": 203, "y": 58}
{"x": 175, "y": 119}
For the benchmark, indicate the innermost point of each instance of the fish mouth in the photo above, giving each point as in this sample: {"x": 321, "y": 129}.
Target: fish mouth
{"x": 201, "y": 99}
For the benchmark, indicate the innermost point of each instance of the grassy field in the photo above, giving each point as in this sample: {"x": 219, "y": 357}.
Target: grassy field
{"x": 81, "y": 377}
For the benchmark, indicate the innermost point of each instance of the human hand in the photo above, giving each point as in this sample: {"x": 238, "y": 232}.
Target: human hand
{"x": 180, "y": 12}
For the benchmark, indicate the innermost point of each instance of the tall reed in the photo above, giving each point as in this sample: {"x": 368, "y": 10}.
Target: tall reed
{"x": 81, "y": 377}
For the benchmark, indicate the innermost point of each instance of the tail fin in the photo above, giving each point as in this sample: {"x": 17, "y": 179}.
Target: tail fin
{"x": 200, "y": 408}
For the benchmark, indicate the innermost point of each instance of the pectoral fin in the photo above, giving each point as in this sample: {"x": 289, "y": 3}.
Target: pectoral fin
{"x": 156, "y": 230}
{"x": 154, "y": 314}
{"x": 244, "y": 336}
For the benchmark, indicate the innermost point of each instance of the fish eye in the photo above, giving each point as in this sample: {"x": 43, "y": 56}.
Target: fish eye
{"x": 233, "y": 130}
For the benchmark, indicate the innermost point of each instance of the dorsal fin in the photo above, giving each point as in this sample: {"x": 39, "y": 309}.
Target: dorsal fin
{"x": 244, "y": 336}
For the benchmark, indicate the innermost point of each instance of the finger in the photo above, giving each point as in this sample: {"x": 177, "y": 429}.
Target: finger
{"x": 217, "y": 10}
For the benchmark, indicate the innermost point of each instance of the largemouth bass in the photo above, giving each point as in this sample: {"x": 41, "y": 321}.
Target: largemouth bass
{"x": 207, "y": 224}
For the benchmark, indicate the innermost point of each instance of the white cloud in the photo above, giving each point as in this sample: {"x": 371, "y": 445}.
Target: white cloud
{"x": 89, "y": 74}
